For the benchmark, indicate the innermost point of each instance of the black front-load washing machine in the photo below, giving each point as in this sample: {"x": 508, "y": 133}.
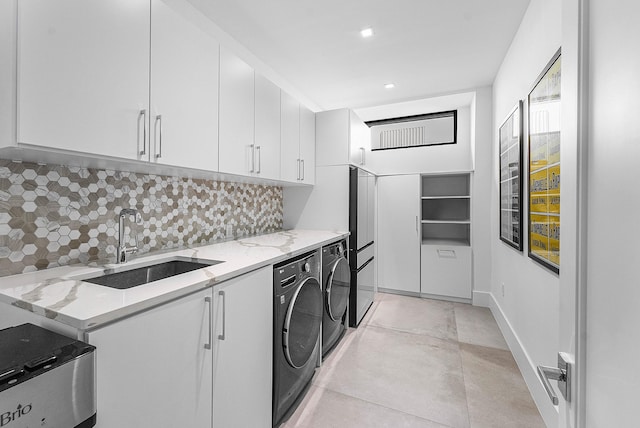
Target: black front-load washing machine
{"x": 297, "y": 314}
{"x": 336, "y": 282}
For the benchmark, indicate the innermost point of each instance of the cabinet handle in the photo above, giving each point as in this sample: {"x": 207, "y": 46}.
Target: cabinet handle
{"x": 302, "y": 162}
{"x": 259, "y": 159}
{"x": 224, "y": 315}
{"x": 253, "y": 158}
{"x": 143, "y": 115}
{"x": 208, "y": 344}
{"x": 159, "y": 135}
{"x": 417, "y": 231}
{"x": 361, "y": 155}
{"x": 446, "y": 254}
{"x": 298, "y": 177}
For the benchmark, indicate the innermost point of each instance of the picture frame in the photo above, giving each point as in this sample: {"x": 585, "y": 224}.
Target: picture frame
{"x": 543, "y": 129}
{"x": 510, "y": 141}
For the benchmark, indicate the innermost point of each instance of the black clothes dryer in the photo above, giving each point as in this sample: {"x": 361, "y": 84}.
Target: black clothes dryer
{"x": 297, "y": 314}
{"x": 336, "y": 283}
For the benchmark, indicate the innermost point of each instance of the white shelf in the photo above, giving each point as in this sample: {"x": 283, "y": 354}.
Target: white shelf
{"x": 446, "y": 221}
{"x": 446, "y": 242}
{"x": 445, "y": 197}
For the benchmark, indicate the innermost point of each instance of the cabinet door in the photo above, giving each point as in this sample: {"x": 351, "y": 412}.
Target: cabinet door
{"x": 184, "y": 90}
{"x": 267, "y": 138}
{"x": 237, "y": 109}
{"x": 332, "y": 137}
{"x": 290, "y": 168}
{"x": 446, "y": 271}
{"x": 398, "y": 232}
{"x": 83, "y": 75}
{"x": 371, "y": 207}
{"x": 243, "y": 351}
{"x": 153, "y": 369}
{"x": 357, "y": 134}
{"x": 308, "y": 145}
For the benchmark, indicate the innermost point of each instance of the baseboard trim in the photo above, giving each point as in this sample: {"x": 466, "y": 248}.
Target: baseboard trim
{"x": 527, "y": 367}
{"x": 400, "y": 292}
{"x": 425, "y": 295}
{"x": 482, "y": 299}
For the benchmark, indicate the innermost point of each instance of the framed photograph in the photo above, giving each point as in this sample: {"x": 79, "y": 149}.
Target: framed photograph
{"x": 510, "y": 136}
{"x": 544, "y": 122}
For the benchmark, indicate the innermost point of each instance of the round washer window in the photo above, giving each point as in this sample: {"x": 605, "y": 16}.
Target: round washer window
{"x": 302, "y": 324}
{"x": 338, "y": 289}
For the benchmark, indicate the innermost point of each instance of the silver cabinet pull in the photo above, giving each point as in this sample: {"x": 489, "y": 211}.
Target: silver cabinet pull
{"x": 302, "y": 162}
{"x": 298, "y": 177}
{"x": 562, "y": 374}
{"x": 208, "y": 344}
{"x": 417, "y": 224}
{"x": 361, "y": 155}
{"x": 259, "y": 159}
{"x": 159, "y": 135}
{"x": 224, "y": 315}
{"x": 143, "y": 115}
{"x": 253, "y": 158}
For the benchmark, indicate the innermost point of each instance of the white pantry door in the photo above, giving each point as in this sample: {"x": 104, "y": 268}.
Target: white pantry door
{"x": 399, "y": 233}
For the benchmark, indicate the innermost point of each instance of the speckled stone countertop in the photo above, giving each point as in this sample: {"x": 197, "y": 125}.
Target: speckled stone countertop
{"x": 61, "y": 295}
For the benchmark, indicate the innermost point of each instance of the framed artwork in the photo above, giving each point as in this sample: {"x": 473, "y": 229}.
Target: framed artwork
{"x": 510, "y": 136}
{"x": 544, "y": 166}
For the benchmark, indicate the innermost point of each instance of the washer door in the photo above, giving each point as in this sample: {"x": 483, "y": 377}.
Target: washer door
{"x": 302, "y": 324}
{"x": 337, "y": 289}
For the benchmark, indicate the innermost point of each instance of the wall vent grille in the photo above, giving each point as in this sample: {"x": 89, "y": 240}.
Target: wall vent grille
{"x": 414, "y": 131}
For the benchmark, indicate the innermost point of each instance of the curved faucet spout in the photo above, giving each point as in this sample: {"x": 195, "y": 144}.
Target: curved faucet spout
{"x": 123, "y": 250}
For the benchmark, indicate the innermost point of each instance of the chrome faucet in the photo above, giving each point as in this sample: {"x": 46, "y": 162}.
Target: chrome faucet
{"x": 123, "y": 249}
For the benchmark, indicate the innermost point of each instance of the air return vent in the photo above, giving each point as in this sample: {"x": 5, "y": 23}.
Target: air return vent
{"x": 414, "y": 131}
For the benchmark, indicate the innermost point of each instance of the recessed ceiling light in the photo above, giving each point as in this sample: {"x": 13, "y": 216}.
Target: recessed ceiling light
{"x": 389, "y": 86}
{"x": 367, "y": 32}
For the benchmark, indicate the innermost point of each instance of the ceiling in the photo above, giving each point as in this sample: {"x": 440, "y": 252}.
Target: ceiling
{"x": 425, "y": 47}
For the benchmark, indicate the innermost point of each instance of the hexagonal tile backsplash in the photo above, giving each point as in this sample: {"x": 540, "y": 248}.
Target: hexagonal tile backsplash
{"x": 57, "y": 215}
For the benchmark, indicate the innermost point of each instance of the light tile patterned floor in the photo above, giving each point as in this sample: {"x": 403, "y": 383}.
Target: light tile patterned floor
{"x": 419, "y": 363}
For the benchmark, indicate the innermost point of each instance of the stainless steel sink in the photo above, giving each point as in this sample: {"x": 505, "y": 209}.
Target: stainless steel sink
{"x": 146, "y": 274}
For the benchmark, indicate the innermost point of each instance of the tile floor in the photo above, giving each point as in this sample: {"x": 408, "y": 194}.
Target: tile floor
{"x": 419, "y": 363}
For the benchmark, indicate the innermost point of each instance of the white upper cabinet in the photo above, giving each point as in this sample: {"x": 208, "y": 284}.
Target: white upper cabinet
{"x": 359, "y": 140}
{"x": 237, "y": 110}
{"x": 184, "y": 90}
{"x": 342, "y": 138}
{"x": 290, "y": 140}
{"x": 266, "y": 151}
{"x": 307, "y": 145}
{"x": 83, "y": 75}
{"x": 298, "y": 144}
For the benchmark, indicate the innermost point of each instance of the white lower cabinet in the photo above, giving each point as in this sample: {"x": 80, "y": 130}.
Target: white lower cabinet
{"x": 243, "y": 351}
{"x": 200, "y": 360}
{"x": 446, "y": 271}
{"x": 153, "y": 369}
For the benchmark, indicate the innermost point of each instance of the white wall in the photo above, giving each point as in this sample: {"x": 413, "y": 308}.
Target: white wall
{"x": 528, "y": 312}
{"x": 481, "y": 144}
{"x": 613, "y": 294}
{"x": 325, "y": 206}
{"x": 430, "y": 159}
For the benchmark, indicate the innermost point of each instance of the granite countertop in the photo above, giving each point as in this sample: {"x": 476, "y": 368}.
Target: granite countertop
{"x": 61, "y": 295}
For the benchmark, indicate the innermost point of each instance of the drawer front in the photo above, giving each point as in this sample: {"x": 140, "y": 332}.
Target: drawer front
{"x": 446, "y": 271}
{"x": 366, "y": 254}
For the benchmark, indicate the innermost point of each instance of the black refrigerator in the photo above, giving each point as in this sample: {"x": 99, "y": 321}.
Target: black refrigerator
{"x": 361, "y": 242}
